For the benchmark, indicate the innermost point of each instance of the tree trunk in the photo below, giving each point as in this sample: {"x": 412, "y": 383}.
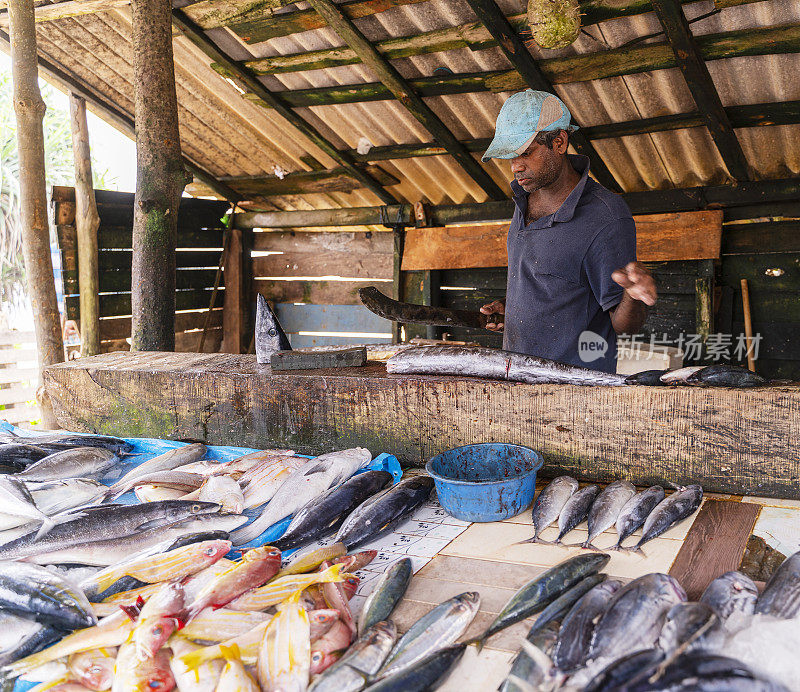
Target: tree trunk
{"x": 29, "y": 108}
{"x": 87, "y": 222}
{"x": 160, "y": 178}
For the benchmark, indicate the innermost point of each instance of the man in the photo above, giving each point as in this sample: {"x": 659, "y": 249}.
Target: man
{"x": 573, "y": 279}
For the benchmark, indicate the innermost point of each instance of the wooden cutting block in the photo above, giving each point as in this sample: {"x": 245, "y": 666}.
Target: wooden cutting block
{"x": 306, "y": 360}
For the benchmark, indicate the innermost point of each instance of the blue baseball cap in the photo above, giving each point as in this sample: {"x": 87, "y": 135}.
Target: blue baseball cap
{"x": 523, "y": 116}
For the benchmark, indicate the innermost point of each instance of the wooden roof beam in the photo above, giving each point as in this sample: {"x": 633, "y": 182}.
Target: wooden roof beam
{"x": 514, "y": 49}
{"x": 698, "y": 79}
{"x": 195, "y": 34}
{"x": 406, "y": 95}
{"x": 70, "y": 8}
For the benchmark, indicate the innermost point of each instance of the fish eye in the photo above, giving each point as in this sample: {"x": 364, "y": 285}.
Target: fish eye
{"x": 157, "y": 630}
{"x": 316, "y": 656}
{"x": 195, "y": 510}
{"x": 155, "y": 684}
{"x": 210, "y": 551}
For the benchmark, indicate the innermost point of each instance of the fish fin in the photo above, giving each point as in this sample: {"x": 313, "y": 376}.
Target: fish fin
{"x": 230, "y": 652}
{"x": 44, "y": 529}
{"x": 153, "y": 524}
{"x": 131, "y": 611}
{"x": 534, "y": 539}
{"x": 194, "y": 659}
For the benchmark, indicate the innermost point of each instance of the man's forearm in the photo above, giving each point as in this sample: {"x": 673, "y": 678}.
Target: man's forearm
{"x": 629, "y": 316}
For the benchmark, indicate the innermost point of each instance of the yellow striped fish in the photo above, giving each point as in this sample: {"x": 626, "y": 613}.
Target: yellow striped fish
{"x": 234, "y": 677}
{"x": 247, "y": 644}
{"x": 278, "y": 590}
{"x": 284, "y": 657}
{"x": 173, "y": 565}
{"x": 305, "y": 561}
{"x": 202, "y": 679}
{"x": 218, "y": 625}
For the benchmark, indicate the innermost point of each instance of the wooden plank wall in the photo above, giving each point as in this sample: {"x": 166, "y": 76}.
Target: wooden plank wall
{"x": 19, "y": 377}
{"x": 312, "y": 280}
{"x": 200, "y": 239}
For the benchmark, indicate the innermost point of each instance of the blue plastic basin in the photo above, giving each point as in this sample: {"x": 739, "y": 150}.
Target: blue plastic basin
{"x": 485, "y": 482}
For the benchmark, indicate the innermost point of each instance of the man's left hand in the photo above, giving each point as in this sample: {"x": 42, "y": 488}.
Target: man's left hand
{"x": 637, "y": 282}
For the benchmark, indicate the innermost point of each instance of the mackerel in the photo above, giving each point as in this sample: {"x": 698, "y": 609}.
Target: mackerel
{"x": 79, "y": 462}
{"x": 477, "y": 361}
{"x": 576, "y": 510}
{"x": 732, "y": 592}
{"x": 438, "y": 628}
{"x": 425, "y": 675}
{"x": 386, "y": 594}
{"x": 549, "y": 503}
{"x": 561, "y": 605}
{"x": 635, "y": 512}
{"x": 678, "y": 506}
{"x": 606, "y": 509}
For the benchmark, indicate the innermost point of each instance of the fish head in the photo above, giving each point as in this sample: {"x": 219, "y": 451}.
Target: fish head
{"x": 156, "y": 676}
{"x": 208, "y": 552}
{"x": 469, "y": 600}
{"x": 150, "y": 636}
{"x": 320, "y": 620}
{"x": 167, "y": 600}
{"x": 269, "y": 335}
{"x": 321, "y": 661}
{"x": 356, "y": 560}
{"x": 94, "y": 669}
{"x": 179, "y": 510}
{"x": 350, "y": 586}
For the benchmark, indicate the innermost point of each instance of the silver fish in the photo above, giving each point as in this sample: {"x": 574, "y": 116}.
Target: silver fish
{"x": 549, "y": 504}
{"x": 606, "y": 508}
{"x": 167, "y": 461}
{"x": 57, "y": 496}
{"x": 692, "y": 627}
{"x": 302, "y": 486}
{"x": 80, "y": 462}
{"x": 729, "y": 593}
{"x": 678, "y": 506}
{"x": 16, "y": 500}
{"x": 635, "y": 615}
{"x": 186, "y": 482}
{"x": 635, "y": 512}
{"x": 20, "y": 637}
{"x": 681, "y": 375}
{"x": 435, "y": 630}
{"x": 105, "y": 523}
{"x": 225, "y": 492}
{"x": 781, "y": 596}
{"x": 269, "y": 335}
{"x": 386, "y": 594}
{"x": 576, "y": 510}
{"x": 575, "y": 635}
{"x": 531, "y": 665}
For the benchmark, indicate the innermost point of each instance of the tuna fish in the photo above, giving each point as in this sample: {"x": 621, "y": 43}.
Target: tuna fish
{"x": 691, "y": 626}
{"x": 781, "y": 596}
{"x": 622, "y": 670}
{"x": 722, "y": 375}
{"x": 549, "y": 503}
{"x": 426, "y": 674}
{"x": 635, "y": 512}
{"x": 732, "y": 592}
{"x": 607, "y": 507}
{"x": 677, "y": 507}
{"x": 269, "y": 335}
{"x": 576, "y": 510}
{"x": 532, "y": 667}
{"x": 386, "y": 594}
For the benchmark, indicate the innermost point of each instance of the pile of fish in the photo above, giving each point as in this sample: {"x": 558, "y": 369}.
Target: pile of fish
{"x": 595, "y": 634}
{"x": 618, "y": 504}
{"x": 719, "y": 375}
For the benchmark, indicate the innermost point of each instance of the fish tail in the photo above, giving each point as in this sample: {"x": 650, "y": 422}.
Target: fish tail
{"x": 230, "y": 652}
{"x": 104, "y": 582}
{"x": 194, "y": 659}
{"x": 535, "y": 539}
{"x": 587, "y": 545}
{"x": 44, "y": 529}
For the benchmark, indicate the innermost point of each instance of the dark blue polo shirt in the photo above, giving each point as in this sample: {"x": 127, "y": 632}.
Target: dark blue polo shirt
{"x": 559, "y": 274}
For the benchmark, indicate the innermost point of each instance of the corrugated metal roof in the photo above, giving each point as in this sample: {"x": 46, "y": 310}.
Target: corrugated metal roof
{"x": 231, "y": 136}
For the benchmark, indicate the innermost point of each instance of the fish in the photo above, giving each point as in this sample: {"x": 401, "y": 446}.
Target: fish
{"x": 269, "y": 335}
{"x": 781, "y": 595}
{"x": 677, "y": 507}
{"x": 256, "y": 567}
{"x": 132, "y": 674}
{"x": 105, "y": 523}
{"x": 204, "y": 678}
{"x": 681, "y": 375}
{"x": 245, "y": 463}
{"x": 157, "y": 619}
{"x": 621, "y": 670}
{"x": 437, "y": 629}
{"x": 575, "y": 510}
{"x": 221, "y": 624}
{"x": 54, "y": 442}
{"x": 36, "y": 593}
{"x": 311, "y": 558}
{"x": 634, "y": 616}
{"x": 561, "y": 605}
{"x": 175, "y": 480}
{"x": 493, "y": 363}
{"x": 425, "y": 675}
{"x": 360, "y": 662}
{"x": 111, "y": 631}
{"x": 103, "y": 553}
{"x": 606, "y": 508}
{"x": 544, "y": 589}
{"x": 171, "y": 565}
{"x": 531, "y": 667}
{"x": 355, "y": 561}
{"x": 549, "y": 503}
{"x": 16, "y": 500}
{"x": 93, "y": 669}
{"x": 52, "y": 497}
{"x": 337, "y": 596}
{"x": 20, "y": 455}
{"x": 575, "y": 635}
{"x": 278, "y": 590}
{"x": 650, "y": 378}
{"x": 225, "y": 492}
{"x": 234, "y": 677}
{"x": 167, "y": 461}
{"x": 284, "y": 656}
{"x": 691, "y": 626}
{"x": 304, "y": 485}
{"x": 248, "y": 645}
{"x": 635, "y": 512}
{"x": 79, "y": 462}
{"x": 384, "y": 511}
{"x": 723, "y": 375}
{"x": 328, "y": 648}
{"x": 732, "y": 592}
{"x": 157, "y": 493}
{"x": 20, "y": 637}
{"x": 263, "y": 481}
{"x": 325, "y": 514}
{"x": 386, "y": 594}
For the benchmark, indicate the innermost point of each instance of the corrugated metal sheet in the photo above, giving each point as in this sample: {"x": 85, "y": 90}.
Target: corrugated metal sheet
{"x": 230, "y": 136}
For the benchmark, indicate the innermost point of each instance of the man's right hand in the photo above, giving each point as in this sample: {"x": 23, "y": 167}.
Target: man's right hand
{"x": 497, "y": 307}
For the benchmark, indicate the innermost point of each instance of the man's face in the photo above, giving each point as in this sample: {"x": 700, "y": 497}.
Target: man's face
{"x": 539, "y": 166}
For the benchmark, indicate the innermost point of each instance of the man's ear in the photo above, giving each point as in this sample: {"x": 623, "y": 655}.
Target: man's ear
{"x": 561, "y": 142}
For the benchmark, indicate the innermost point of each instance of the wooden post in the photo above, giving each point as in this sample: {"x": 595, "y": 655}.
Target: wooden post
{"x": 29, "y": 108}
{"x": 236, "y": 323}
{"x": 160, "y": 178}
{"x": 399, "y": 235}
{"x": 748, "y": 326}
{"x": 87, "y": 223}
